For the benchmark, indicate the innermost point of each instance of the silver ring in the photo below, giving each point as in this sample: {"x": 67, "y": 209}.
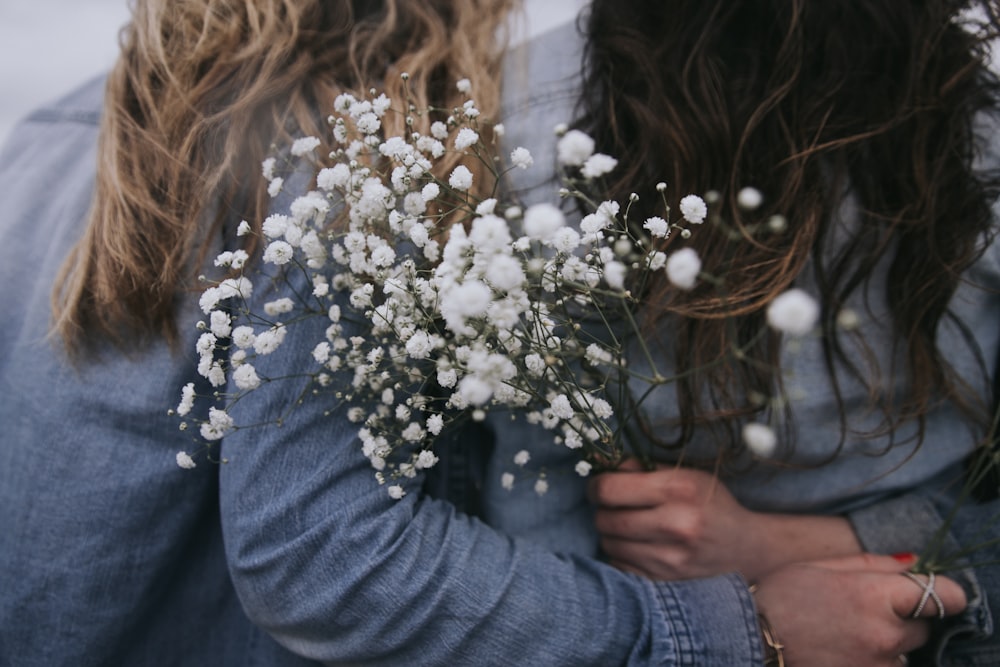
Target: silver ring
{"x": 929, "y": 594}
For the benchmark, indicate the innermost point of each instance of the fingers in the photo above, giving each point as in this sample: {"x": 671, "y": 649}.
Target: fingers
{"x": 640, "y": 489}
{"x": 927, "y": 596}
{"x": 908, "y": 591}
{"x": 864, "y": 562}
{"x": 680, "y": 524}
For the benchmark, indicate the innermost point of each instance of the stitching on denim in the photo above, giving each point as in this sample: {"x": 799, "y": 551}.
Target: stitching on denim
{"x": 67, "y": 115}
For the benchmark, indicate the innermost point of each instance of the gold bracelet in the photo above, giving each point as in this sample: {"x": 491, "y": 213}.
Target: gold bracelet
{"x": 774, "y": 655}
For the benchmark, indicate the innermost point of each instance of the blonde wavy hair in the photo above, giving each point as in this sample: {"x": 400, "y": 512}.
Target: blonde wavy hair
{"x": 200, "y": 94}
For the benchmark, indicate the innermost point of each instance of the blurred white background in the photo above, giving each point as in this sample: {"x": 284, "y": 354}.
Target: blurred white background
{"x": 47, "y": 47}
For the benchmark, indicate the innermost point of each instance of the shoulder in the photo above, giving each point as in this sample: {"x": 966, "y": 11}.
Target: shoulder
{"x": 80, "y": 106}
{"x": 65, "y": 126}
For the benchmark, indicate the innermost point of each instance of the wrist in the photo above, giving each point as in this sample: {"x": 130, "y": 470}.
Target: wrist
{"x": 774, "y": 655}
{"x": 784, "y": 539}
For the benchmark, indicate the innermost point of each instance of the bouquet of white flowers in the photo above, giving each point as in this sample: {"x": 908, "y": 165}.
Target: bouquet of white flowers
{"x": 443, "y": 306}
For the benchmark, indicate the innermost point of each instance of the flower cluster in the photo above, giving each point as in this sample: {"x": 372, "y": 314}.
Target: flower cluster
{"x": 440, "y": 305}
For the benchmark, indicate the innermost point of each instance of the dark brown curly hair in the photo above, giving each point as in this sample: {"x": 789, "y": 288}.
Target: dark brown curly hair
{"x": 801, "y": 100}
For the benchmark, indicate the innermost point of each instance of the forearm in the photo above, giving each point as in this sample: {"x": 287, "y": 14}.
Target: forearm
{"x": 338, "y": 572}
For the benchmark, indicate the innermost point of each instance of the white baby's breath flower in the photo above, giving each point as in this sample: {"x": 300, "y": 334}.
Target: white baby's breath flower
{"x": 187, "y": 399}
{"x": 474, "y": 390}
{"x": 522, "y": 458}
{"x": 368, "y": 123}
{"x": 245, "y": 377}
{"x": 381, "y": 104}
{"x": 534, "y": 364}
{"x": 279, "y": 306}
{"x": 439, "y": 130}
{"x": 598, "y": 165}
{"x": 694, "y": 209}
{"x": 542, "y": 220}
{"x": 278, "y": 253}
{"x": 469, "y": 110}
{"x": 413, "y": 432}
{"x": 614, "y": 275}
{"x": 243, "y": 229}
{"x": 275, "y": 225}
{"x": 240, "y": 287}
{"x": 521, "y": 158}
{"x": 268, "y": 341}
{"x": 463, "y": 85}
{"x": 848, "y": 319}
{"x": 430, "y": 191}
{"x": 383, "y": 256}
{"x": 470, "y": 299}
{"x": 541, "y": 486}
{"x": 486, "y": 207}
{"x": 565, "y": 240}
{"x": 460, "y": 178}
{"x": 304, "y": 145}
{"x": 321, "y": 353}
{"x": 601, "y": 408}
{"x": 593, "y": 223}
{"x": 419, "y": 235}
{"x": 426, "y": 459}
{"x": 466, "y": 137}
{"x": 435, "y": 423}
{"x": 657, "y": 227}
{"x": 507, "y": 481}
{"x": 219, "y": 423}
{"x": 573, "y": 148}
{"x": 447, "y": 378}
{"x": 206, "y": 344}
{"x": 274, "y": 187}
{"x": 583, "y": 468}
{"x": 396, "y": 492}
{"x": 561, "y": 407}
{"x": 597, "y": 355}
{"x": 244, "y": 337}
{"x": 489, "y": 233}
{"x": 337, "y": 176}
{"x": 267, "y": 168}
{"x": 209, "y": 299}
{"x": 793, "y": 312}
{"x": 656, "y": 260}
{"x": 749, "y": 198}
{"x": 185, "y": 461}
{"x": 420, "y": 345}
{"x": 221, "y": 323}
{"x": 683, "y": 267}
{"x": 760, "y": 439}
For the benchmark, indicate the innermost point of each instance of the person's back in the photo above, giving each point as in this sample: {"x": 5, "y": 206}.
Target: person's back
{"x": 111, "y": 554}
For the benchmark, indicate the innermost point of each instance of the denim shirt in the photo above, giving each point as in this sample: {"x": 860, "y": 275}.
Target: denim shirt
{"x": 286, "y": 554}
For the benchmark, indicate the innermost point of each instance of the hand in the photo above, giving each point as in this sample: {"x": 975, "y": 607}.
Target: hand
{"x": 849, "y": 611}
{"x": 676, "y": 523}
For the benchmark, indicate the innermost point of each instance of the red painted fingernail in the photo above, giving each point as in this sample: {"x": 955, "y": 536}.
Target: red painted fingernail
{"x": 905, "y": 557}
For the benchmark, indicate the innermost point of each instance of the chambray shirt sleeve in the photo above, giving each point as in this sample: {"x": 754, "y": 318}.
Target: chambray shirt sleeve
{"x": 327, "y": 563}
